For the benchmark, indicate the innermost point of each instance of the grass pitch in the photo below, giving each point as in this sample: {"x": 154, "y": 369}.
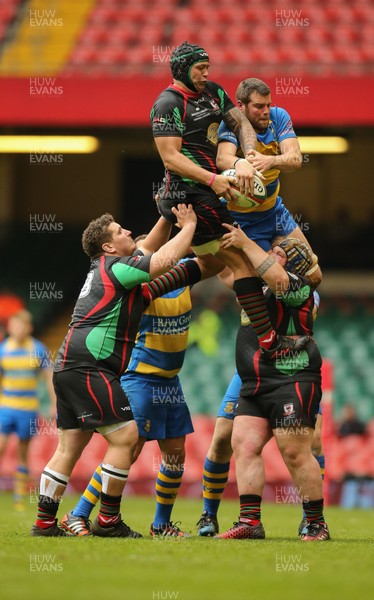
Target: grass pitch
{"x": 280, "y": 567}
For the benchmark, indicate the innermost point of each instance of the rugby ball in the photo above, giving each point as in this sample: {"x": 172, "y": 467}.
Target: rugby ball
{"x": 250, "y": 201}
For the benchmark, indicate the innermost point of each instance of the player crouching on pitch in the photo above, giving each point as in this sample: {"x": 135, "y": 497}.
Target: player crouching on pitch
{"x": 279, "y": 398}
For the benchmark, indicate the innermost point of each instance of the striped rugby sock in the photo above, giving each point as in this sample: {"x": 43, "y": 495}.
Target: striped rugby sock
{"x": 215, "y": 476}
{"x": 250, "y": 509}
{"x": 167, "y": 486}
{"x": 21, "y": 479}
{"x": 251, "y": 298}
{"x": 314, "y": 511}
{"x": 90, "y": 496}
{"x": 110, "y": 506}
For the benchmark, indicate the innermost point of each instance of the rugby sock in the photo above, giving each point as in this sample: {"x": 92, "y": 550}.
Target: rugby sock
{"x": 250, "y": 509}
{"x": 187, "y": 273}
{"x": 314, "y": 511}
{"x": 90, "y": 496}
{"x": 215, "y": 476}
{"x": 109, "y": 509}
{"x": 110, "y": 505}
{"x": 167, "y": 486}
{"x": 251, "y": 298}
{"x": 321, "y": 462}
{"x": 21, "y": 479}
{"x": 52, "y": 486}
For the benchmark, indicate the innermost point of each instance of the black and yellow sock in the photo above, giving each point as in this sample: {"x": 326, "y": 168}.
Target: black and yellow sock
{"x": 21, "y": 479}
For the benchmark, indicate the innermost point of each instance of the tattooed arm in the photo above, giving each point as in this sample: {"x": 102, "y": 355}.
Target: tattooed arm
{"x": 226, "y": 157}
{"x": 266, "y": 265}
{"x": 239, "y": 124}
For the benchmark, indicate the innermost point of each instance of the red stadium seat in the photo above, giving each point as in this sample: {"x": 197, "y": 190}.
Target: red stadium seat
{"x": 122, "y": 35}
{"x": 139, "y": 56}
{"x": 181, "y": 33}
{"x": 151, "y": 34}
{"x": 159, "y": 15}
{"x": 84, "y": 56}
{"x": 345, "y": 34}
{"x": 104, "y": 15}
{"x": 112, "y": 55}
{"x": 94, "y": 35}
{"x": 131, "y": 15}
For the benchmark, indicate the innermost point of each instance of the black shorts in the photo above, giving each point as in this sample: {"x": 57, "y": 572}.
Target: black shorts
{"x": 290, "y": 405}
{"x": 210, "y": 211}
{"x": 88, "y": 398}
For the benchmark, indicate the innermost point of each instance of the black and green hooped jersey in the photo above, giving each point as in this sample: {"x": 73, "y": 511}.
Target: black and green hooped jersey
{"x": 107, "y": 315}
{"x": 290, "y": 314}
{"x": 195, "y": 117}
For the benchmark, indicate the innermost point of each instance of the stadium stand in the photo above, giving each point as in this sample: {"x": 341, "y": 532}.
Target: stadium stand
{"x": 123, "y": 37}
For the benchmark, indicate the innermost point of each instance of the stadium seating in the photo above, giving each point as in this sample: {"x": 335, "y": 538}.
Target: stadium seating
{"x": 325, "y": 37}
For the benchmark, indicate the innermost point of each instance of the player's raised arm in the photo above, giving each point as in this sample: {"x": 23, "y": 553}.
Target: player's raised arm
{"x": 157, "y": 237}
{"x": 264, "y": 264}
{"x": 169, "y": 254}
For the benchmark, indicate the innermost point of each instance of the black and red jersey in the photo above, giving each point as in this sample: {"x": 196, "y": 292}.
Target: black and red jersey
{"x": 107, "y": 315}
{"x": 291, "y": 313}
{"x": 195, "y": 117}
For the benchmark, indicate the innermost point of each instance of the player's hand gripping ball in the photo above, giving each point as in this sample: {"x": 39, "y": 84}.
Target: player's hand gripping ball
{"x": 250, "y": 201}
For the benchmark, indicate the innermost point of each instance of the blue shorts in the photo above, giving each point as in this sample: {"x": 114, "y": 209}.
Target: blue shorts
{"x": 230, "y": 399}
{"x": 21, "y": 422}
{"x": 264, "y": 227}
{"x": 158, "y": 405}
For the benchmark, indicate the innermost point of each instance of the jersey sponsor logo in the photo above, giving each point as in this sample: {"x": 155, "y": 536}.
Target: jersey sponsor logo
{"x": 288, "y": 410}
{"x": 87, "y": 285}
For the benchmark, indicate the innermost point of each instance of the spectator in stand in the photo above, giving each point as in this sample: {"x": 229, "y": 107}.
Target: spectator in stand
{"x": 350, "y": 423}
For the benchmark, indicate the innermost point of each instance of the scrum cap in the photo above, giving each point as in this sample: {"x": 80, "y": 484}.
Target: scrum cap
{"x": 183, "y": 58}
{"x": 300, "y": 258}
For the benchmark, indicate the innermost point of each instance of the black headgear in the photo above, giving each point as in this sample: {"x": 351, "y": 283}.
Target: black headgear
{"x": 183, "y": 58}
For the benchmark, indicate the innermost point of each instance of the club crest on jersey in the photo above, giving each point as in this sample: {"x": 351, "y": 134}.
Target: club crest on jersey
{"x": 212, "y": 133}
{"x": 214, "y": 104}
{"x": 229, "y": 408}
{"x": 147, "y": 426}
{"x": 288, "y": 410}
